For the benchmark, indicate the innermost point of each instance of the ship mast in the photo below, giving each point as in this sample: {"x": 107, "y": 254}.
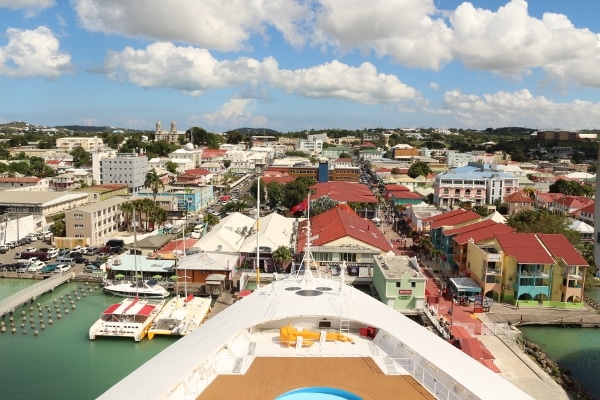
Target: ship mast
{"x": 258, "y": 234}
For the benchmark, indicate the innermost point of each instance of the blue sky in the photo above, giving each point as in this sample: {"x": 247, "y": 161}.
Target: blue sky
{"x": 293, "y": 65}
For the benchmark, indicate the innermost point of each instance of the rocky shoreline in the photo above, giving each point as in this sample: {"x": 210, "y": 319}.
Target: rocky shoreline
{"x": 572, "y": 387}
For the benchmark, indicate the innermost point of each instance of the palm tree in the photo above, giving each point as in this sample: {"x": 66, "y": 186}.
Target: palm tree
{"x": 127, "y": 210}
{"x": 282, "y": 256}
{"x": 211, "y": 219}
{"x": 153, "y": 182}
{"x": 529, "y": 191}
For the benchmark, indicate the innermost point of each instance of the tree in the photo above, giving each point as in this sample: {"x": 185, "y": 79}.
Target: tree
{"x": 321, "y": 205}
{"x": 171, "y": 167}
{"x": 58, "y": 227}
{"x": 80, "y": 157}
{"x": 234, "y": 137}
{"x": 529, "y": 191}
{"x": 226, "y": 163}
{"x": 211, "y": 219}
{"x": 235, "y": 206}
{"x": 200, "y": 137}
{"x": 571, "y": 188}
{"x": 543, "y": 222}
{"x": 153, "y": 182}
{"x": 345, "y": 155}
{"x": 395, "y": 171}
{"x": 419, "y": 168}
{"x": 295, "y": 192}
{"x": 282, "y": 256}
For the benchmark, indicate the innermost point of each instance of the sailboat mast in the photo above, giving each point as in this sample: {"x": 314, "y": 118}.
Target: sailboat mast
{"x": 258, "y": 234}
{"x": 135, "y": 251}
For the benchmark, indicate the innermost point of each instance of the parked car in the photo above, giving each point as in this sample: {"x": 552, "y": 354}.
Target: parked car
{"x": 23, "y": 268}
{"x": 66, "y": 260}
{"x": 91, "y": 268}
{"x": 76, "y": 254}
{"x": 97, "y": 263}
{"x": 17, "y": 256}
{"x": 36, "y": 266}
{"x": 32, "y": 237}
{"x": 63, "y": 268}
{"x": 92, "y": 250}
{"x": 12, "y": 244}
{"x": 31, "y": 249}
{"x": 48, "y": 269}
{"x": 23, "y": 242}
{"x": 81, "y": 260}
{"x": 4, "y": 248}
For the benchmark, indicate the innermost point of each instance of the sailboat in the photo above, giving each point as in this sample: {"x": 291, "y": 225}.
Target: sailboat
{"x": 129, "y": 318}
{"x": 180, "y": 316}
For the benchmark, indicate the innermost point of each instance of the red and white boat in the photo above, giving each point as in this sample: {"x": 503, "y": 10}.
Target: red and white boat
{"x": 129, "y": 318}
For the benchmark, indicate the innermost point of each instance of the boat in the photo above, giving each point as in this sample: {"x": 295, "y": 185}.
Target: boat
{"x": 129, "y": 318}
{"x": 140, "y": 288}
{"x": 312, "y": 332}
{"x": 180, "y": 316}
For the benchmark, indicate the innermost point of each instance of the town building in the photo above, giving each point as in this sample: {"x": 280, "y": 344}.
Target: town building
{"x": 125, "y": 168}
{"x": 399, "y": 283}
{"x": 477, "y": 183}
{"x": 99, "y": 193}
{"x": 517, "y": 202}
{"x": 170, "y": 136}
{"x": 68, "y": 143}
{"x": 24, "y": 184}
{"x": 96, "y": 222}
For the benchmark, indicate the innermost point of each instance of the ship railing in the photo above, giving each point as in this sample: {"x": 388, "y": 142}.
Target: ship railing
{"x": 435, "y": 322}
{"x": 426, "y": 375}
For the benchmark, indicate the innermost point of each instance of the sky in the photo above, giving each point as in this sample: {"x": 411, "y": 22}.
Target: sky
{"x": 294, "y": 65}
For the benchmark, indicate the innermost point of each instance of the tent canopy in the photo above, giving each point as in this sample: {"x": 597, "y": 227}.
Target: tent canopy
{"x": 465, "y": 286}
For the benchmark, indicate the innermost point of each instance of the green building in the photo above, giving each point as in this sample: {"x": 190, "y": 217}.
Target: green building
{"x": 400, "y": 283}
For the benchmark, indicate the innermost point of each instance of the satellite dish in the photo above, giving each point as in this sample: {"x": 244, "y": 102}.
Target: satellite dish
{"x": 219, "y": 247}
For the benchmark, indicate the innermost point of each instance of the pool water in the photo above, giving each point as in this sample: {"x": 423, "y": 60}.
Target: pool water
{"x": 318, "y": 393}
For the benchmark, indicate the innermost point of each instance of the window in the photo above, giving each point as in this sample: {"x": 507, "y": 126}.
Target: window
{"x": 78, "y": 216}
{"x": 413, "y": 284}
{"x": 78, "y": 226}
{"x": 348, "y": 257}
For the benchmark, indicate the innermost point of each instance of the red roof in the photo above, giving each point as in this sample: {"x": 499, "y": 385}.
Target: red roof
{"x": 460, "y": 218}
{"x": 470, "y": 227}
{"x": 344, "y": 192}
{"x": 197, "y": 171}
{"x": 441, "y": 216}
{"x": 481, "y": 234}
{"x": 343, "y": 160}
{"x": 526, "y": 248}
{"x": 177, "y": 245}
{"x": 406, "y": 195}
{"x": 213, "y": 153}
{"x": 588, "y": 209}
{"x": 396, "y": 188}
{"x": 278, "y": 179}
{"x": 339, "y": 223}
{"x": 559, "y": 246}
{"x": 518, "y": 197}
{"x": 21, "y": 180}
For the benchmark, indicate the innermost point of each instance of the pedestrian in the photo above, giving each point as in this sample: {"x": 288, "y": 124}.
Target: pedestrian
{"x": 517, "y": 304}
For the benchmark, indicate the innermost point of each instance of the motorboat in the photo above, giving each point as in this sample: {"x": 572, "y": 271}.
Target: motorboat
{"x": 129, "y": 318}
{"x": 180, "y": 316}
{"x": 141, "y": 288}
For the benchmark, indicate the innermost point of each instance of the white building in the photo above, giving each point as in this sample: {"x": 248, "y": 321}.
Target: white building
{"x": 126, "y": 168}
{"x": 160, "y": 162}
{"x": 86, "y": 143}
{"x": 188, "y": 152}
{"x": 170, "y": 136}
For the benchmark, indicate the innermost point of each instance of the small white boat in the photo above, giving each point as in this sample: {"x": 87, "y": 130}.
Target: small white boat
{"x": 129, "y": 318}
{"x": 180, "y": 316}
{"x": 147, "y": 289}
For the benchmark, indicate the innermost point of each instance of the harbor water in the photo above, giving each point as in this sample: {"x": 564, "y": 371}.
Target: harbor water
{"x": 576, "y": 350}
{"x": 61, "y": 362}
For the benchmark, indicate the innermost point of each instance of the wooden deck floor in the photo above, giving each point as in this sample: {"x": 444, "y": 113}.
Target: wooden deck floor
{"x": 269, "y": 377}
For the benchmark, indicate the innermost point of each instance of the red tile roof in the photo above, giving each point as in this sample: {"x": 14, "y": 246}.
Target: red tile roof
{"x": 213, "y": 153}
{"x": 339, "y": 223}
{"x": 344, "y": 192}
{"x": 559, "y": 246}
{"x": 24, "y": 179}
{"x": 441, "y": 216}
{"x": 197, "y": 171}
{"x": 526, "y": 248}
{"x": 471, "y": 227}
{"x": 279, "y": 179}
{"x": 460, "y": 218}
{"x": 588, "y": 209}
{"x": 482, "y": 234}
{"x": 396, "y": 188}
{"x": 406, "y": 195}
{"x": 518, "y": 197}
{"x": 177, "y": 245}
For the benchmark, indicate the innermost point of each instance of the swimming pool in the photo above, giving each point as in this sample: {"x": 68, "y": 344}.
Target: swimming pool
{"x": 318, "y": 393}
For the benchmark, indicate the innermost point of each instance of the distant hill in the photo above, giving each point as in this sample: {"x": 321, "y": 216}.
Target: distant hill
{"x": 257, "y": 131}
{"x": 84, "y": 128}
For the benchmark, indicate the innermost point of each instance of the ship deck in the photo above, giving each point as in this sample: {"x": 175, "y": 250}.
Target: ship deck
{"x": 269, "y": 377}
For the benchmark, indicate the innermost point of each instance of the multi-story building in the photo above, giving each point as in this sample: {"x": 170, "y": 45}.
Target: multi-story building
{"x": 181, "y": 200}
{"x": 400, "y": 283}
{"x": 125, "y": 168}
{"x": 170, "y": 136}
{"x": 476, "y": 183}
{"x": 335, "y": 152}
{"x": 530, "y": 269}
{"x": 96, "y": 222}
{"x": 404, "y": 152}
{"x": 188, "y": 152}
{"x": 310, "y": 145}
{"x": 87, "y": 143}
{"x": 517, "y": 202}
{"x": 557, "y": 134}
{"x": 99, "y": 193}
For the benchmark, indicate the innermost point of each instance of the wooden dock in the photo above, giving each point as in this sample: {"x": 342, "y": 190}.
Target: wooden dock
{"x": 10, "y": 304}
{"x": 504, "y": 313}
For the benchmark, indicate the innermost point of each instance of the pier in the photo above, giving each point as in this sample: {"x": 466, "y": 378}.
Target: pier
{"x": 10, "y": 304}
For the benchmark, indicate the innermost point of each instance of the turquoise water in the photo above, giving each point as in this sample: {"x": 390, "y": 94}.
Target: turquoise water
{"x": 62, "y": 362}
{"x": 576, "y": 350}
{"x": 318, "y": 393}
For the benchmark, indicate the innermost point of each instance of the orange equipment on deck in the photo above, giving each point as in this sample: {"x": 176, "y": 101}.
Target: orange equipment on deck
{"x": 289, "y": 335}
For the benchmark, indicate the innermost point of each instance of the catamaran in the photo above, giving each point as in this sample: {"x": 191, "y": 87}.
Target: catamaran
{"x": 180, "y": 316}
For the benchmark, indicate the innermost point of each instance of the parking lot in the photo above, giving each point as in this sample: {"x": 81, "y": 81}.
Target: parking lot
{"x": 9, "y": 256}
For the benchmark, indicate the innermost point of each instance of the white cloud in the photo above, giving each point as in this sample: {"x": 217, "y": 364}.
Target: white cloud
{"x": 33, "y": 53}
{"x": 194, "y": 71}
{"x": 213, "y": 24}
{"x": 32, "y": 7}
{"x": 232, "y": 113}
{"x": 434, "y": 85}
{"x": 403, "y": 30}
{"x": 519, "y": 108}
{"x": 510, "y": 41}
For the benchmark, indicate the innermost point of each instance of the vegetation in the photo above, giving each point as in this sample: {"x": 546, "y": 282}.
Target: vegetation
{"x": 571, "y": 188}
{"x": 153, "y": 182}
{"x": 282, "y": 256}
{"x": 171, "y": 167}
{"x": 147, "y": 214}
{"x": 211, "y": 219}
{"x": 58, "y": 227}
{"x": 543, "y": 222}
{"x": 80, "y": 157}
{"x": 321, "y": 205}
{"x": 419, "y": 168}
{"x": 200, "y": 137}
